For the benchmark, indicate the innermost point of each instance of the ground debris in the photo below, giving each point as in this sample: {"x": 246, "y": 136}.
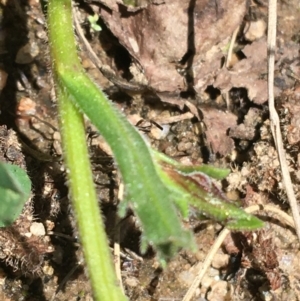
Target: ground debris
{"x": 164, "y": 41}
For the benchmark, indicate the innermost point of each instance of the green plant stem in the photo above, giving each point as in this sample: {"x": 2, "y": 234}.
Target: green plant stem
{"x": 80, "y": 180}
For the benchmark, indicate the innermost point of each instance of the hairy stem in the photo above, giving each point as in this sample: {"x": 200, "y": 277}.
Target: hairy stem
{"x": 83, "y": 195}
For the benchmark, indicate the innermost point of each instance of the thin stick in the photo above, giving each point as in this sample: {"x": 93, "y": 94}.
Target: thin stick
{"x": 105, "y": 70}
{"x": 117, "y": 251}
{"x": 174, "y": 119}
{"x": 228, "y": 61}
{"x": 94, "y": 58}
{"x": 284, "y": 216}
{"x": 230, "y": 50}
{"x": 275, "y": 125}
{"x": 203, "y": 267}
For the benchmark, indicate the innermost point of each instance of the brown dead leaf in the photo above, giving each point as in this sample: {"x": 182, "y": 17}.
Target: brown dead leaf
{"x": 160, "y": 35}
{"x": 247, "y": 129}
{"x": 247, "y": 72}
{"x": 242, "y": 132}
{"x": 217, "y": 124}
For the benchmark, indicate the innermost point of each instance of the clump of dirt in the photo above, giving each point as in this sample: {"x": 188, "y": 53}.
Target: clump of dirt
{"x": 173, "y": 79}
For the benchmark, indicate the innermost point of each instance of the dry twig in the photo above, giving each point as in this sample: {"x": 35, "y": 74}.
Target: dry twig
{"x": 106, "y": 71}
{"x": 117, "y": 252}
{"x": 203, "y": 267}
{"x": 231, "y": 46}
{"x": 275, "y": 128}
{"x": 174, "y": 119}
{"x": 275, "y": 124}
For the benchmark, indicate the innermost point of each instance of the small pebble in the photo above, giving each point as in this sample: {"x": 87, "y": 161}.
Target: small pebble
{"x": 27, "y": 53}
{"x": 158, "y": 133}
{"x": 41, "y": 83}
{"x": 255, "y": 30}
{"x": 48, "y": 270}
{"x": 57, "y": 147}
{"x": 20, "y": 86}
{"x": 187, "y": 277}
{"x": 218, "y": 292}
{"x": 220, "y": 261}
{"x": 132, "y": 282}
{"x": 171, "y": 151}
{"x": 183, "y": 146}
{"x": 41, "y": 34}
{"x": 26, "y": 107}
{"x": 56, "y": 136}
{"x": 37, "y": 229}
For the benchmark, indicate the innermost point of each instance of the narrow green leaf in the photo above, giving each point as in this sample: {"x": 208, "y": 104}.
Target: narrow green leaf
{"x": 212, "y": 171}
{"x": 199, "y": 190}
{"x": 150, "y": 199}
{"x": 15, "y": 187}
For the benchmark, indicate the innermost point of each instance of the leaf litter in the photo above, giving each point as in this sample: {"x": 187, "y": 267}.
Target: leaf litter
{"x": 179, "y": 53}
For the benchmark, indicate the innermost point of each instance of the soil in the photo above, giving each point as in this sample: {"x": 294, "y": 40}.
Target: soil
{"x": 190, "y": 104}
